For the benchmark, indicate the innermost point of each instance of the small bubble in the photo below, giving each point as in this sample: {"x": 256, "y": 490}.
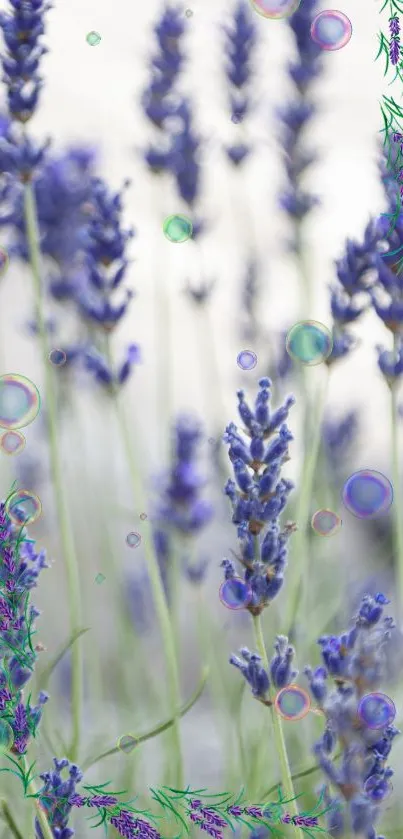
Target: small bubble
{"x": 325, "y": 522}
{"x": 189, "y": 13}
{"x": 12, "y": 442}
{"x": 133, "y": 539}
{"x": 143, "y": 516}
{"x": 235, "y": 593}
{"x": 292, "y": 703}
{"x": 6, "y": 737}
{"x": 367, "y": 494}
{"x": 4, "y": 261}
{"x": 376, "y": 710}
{"x": 23, "y": 507}
{"x": 246, "y": 359}
{"x": 378, "y": 788}
{"x": 93, "y": 38}
{"x": 57, "y": 357}
{"x": 236, "y": 118}
{"x": 127, "y": 743}
{"x": 331, "y": 30}
{"x": 177, "y": 228}
{"x": 309, "y": 342}
{"x": 275, "y": 9}
{"x": 19, "y": 401}
{"x": 100, "y": 578}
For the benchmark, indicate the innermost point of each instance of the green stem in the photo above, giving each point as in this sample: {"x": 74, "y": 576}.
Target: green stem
{"x": 277, "y": 729}
{"x": 66, "y": 536}
{"x": 304, "y": 272}
{"x": 40, "y": 814}
{"x": 8, "y": 818}
{"x": 161, "y": 606}
{"x": 397, "y": 492}
{"x": 299, "y": 562}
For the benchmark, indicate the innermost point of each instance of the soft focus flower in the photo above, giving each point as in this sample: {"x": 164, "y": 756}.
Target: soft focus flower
{"x": 241, "y": 39}
{"x": 339, "y": 437}
{"x": 57, "y": 797}
{"x": 166, "y": 66}
{"x": 355, "y": 662}
{"x": 184, "y": 154}
{"x": 297, "y": 114}
{"x": 22, "y": 27}
{"x": 259, "y": 494}
{"x": 19, "y": 571}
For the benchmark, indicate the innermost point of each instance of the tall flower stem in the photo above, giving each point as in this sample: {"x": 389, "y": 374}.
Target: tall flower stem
{"x": 397, "y": 492}
{"x": 161, "y": 606}
{"x": 301, "y": 255}
{"x": 281, "y": 748}
{"x": 66, "y": 535}
{"x": 299, "y": 543}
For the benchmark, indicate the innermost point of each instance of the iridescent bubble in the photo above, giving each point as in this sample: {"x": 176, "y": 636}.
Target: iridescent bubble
{"x": 247, "y": 359}
{"x": 235, "y": 593}
{"x": 177, "y": 228}
{"x": 100, "y": 578}
{"x": 133, "y": 539}
{"x": 93, "y": 38}
{"x": 127, "y": 743}
{"x": 143, "y": 516}
{"x": 12, "y": 442}
{"x": 367, "y": 494}
{"x": 57, "y": 357}
{"x": 325, "y": 522}
{"x": 188, "y": 13}
{"x": 331, "y": 30}
{"x": 309, "y": 342}
{"x": 6, "y": 737}
{"x": 275, "y": 9}
{"x": 4, "y": 261}
{"x": 376, "y": 710}
{"x": 292, "y": 703}
{"x": 23, "y": 507}
{"x": 19, "y": 401}
{"x": 378, "y": 788}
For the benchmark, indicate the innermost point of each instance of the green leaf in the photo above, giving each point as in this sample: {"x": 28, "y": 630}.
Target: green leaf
{"x": 158, "y": 729}
{"x": 47, "y": 672}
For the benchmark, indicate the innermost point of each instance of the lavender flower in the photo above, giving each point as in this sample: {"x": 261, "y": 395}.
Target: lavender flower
{"x": 180, "y": 508}
{"x": 281, "y": 672}
{"x": 184, "y": 163}
{"x": 355, "y": 661}
{"x": 339, "y": 437}
{"x": 19, "y": 571}
{"x": 241, "y": 39}
{"x": 296, "y": 116}
{"x": 394, "y": 43}
{"x": 57, "y": 797}
{"x": 22, "y": 28}
{"x": 259, "y": 495}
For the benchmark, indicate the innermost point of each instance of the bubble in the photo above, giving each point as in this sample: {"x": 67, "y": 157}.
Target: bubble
{"x": 188, "y": 13}
{"x": 100, "y": 578}
{"x": 292, "y": 703}
{"x": 367, "y": 494}
{"x": 325, "y": 522}
{"x": 377, "y": 788}
{"x": 127, "y": 743}
{"x": 235, "y": 593}
{"x": 177, "y": 228}
{"x": 246, "y": 359}
{"x": 143, "y": 516}
{"x": 12, "y": 442}
{"x": 236, "y": 118}
{"x": 6, "y": 737}
{"x": 275, "y": 9}
{"x": 376, "y": 710}
{"x": 23, "y": 507}
{"x": 309, "y": 342}
{"x": 19, "y": 401}
{"x": 331, "y": 30}
{"x": 133, "y": 539}
{"x": 93, "y": 38}
{"x": 57, "y": 357}
{"x": 4, "y": 261}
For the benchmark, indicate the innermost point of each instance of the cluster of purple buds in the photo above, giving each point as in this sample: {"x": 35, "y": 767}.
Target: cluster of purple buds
{"x": 129, "y": 826}
{"x": 207, "y": 819}
{"x": 398, "y": 138}
{"x": 266, "y": 813}
{"x": 394, "y": 43}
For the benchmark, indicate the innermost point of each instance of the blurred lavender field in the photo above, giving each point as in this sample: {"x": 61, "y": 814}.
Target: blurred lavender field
{"x": 272, "y": 149}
